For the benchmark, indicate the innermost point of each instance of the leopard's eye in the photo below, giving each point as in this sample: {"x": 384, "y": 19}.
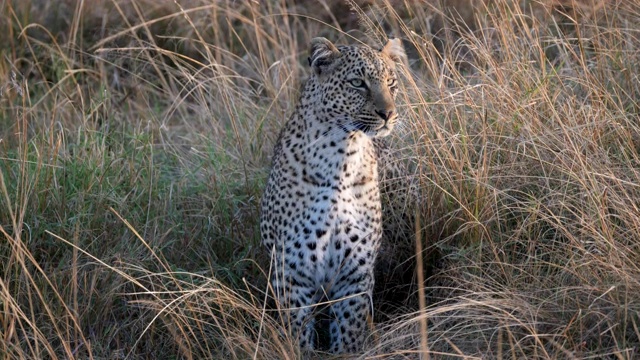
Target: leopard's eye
{"x": 358, "y": 83}
{"x": 392, "y": 83}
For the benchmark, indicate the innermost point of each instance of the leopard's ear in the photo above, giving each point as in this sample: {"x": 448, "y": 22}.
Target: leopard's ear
{"x": 322, "y": 55}
{"x": 395, "y": 51}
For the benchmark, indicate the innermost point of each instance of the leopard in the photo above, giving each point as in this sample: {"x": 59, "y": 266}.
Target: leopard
{"x": 320, "y": 213}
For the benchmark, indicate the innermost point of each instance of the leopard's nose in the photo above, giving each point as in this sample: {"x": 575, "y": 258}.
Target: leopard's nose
{"x": 386, "y": 114}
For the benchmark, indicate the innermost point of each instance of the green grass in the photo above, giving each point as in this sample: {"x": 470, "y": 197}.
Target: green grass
{"x": 135, "y": 139}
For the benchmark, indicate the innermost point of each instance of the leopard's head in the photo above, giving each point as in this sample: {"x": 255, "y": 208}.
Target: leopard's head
{"x": 357, "y": 85}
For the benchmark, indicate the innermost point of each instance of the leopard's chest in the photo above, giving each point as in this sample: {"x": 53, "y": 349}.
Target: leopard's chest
{"x": 336, "y": 203}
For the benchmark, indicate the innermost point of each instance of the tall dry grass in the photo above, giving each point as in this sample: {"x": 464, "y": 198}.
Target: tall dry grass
{"x": 135, "y": 139}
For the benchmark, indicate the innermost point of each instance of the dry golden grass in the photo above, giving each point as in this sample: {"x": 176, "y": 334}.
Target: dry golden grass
{"x": 135, "y": 139}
